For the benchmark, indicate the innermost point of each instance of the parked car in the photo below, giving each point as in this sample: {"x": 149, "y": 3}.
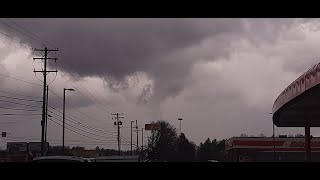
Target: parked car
{"x": 90, "y": 159}
{"x": 59, "y": 159}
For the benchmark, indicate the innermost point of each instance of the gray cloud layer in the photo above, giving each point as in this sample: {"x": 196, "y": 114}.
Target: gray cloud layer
{"x": 116, "y": 48}
{"x": 221, "y": 75}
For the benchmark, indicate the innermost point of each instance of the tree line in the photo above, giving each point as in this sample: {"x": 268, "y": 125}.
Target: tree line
{"x": 167, "y": 145}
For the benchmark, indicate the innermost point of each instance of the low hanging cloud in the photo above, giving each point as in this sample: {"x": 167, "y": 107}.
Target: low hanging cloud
{"x": 162, "y": 48}
{"x": 221, "y": 75}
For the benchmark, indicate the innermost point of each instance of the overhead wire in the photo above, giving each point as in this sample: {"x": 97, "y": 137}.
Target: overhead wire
{"x": 18, "y": 109}
{"x": 31, "y": 33}
{"x": 75, "y": 131}
{"x": 44, "y": 44}
{"x": 18, "y": 94}
{"x": 82, "y": 78}
{"x": 19, "y": 103}
{"x": 79, "y": 91}
{"x": 51, "y": 45}
{"x": 87, "y": 127}
{"x": 41, "y": 41}
{"x": 22, "y": 32}
{"x": 19, "y": 79}
{"x": 10, "y": 97}
{"x": 83, "y": 125}
{"x": 15, "y": 39}
{"x": 76, "y": 109}
{"x": 81, "y": 129}
{"x": 9, "y": 114}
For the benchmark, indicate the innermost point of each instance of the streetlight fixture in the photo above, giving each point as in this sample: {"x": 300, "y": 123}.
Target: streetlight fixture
{"x": 64, "y": 107}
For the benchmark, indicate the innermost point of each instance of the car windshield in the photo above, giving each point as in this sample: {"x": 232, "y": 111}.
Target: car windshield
{"x": 56, "y": 160}
{"x": 159, "y": 89}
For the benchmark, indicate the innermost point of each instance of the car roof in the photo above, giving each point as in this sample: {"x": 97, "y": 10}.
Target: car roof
{"x": 59, "y": 157}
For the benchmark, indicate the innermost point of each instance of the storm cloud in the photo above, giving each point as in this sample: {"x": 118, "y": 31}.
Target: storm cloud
{"x": 162, "y": 48}
{"x": 221, "y": 75}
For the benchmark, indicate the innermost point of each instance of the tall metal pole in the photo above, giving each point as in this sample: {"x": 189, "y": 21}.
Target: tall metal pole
{"x": 63, "y": 123}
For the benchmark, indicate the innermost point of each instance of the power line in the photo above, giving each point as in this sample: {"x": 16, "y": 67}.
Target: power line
{"x": 20, "y": 80}
{"x": 13, "y": 38}
{"x": 70, "y": 67}
{"x": 19, "y": 103}
{"x": 21, "y": 99}
{"x": 75, "y": 131}
{"x": 85, "y": 127}
{"x": 90, "y": 127}
{"x": 8, "y": 114}
{"x": 18, "y": 109}
{"x": 76, "y": 109}
{"x": 78, "y": 90}
{"x": 24, "y": 120}
{"x": 18, "y": 94}
{"x": 32, "y": 33}
{"x": 92, "y": 87}
{"x": 82, "y": 129}
{"x": 17, "y": 79}
{"x": 22, "y": 32}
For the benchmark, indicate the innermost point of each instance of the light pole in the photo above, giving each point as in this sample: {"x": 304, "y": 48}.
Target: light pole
{"x": 64, "y": 107}
{"x": 180, "y": 119}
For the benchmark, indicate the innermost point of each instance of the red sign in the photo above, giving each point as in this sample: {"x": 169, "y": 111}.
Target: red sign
{"x": 302, "y": 144}
{"x": 263, "y": 144}
{"x": 151, "y": 127}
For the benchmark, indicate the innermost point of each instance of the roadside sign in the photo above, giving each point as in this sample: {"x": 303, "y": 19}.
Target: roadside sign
{"x": 151, "y": 127}
{"x": 17, "y": 146}
{"x": 36, "y": 146}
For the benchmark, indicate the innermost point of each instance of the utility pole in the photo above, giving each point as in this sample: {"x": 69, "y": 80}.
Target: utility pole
{"x": 44, "y": 72}
{"x": 131, "y": 136}
{"x": 142, "y": 142}
{"x": 137, "y": 136}
{"x": 118, "y": 123}
{"x": 46, "y": 125}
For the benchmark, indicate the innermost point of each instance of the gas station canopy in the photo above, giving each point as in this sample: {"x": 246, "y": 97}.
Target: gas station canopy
{"x": 300, "y": 101}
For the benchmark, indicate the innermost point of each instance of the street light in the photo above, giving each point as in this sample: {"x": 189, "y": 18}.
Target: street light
{"x": 180, "y": 119}
{"x": 64, "y": 107}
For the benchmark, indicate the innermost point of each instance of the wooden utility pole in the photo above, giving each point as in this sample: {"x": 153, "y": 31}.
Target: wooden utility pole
{"x": 44, "y": 72}
{"x": 118, "y": 123}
